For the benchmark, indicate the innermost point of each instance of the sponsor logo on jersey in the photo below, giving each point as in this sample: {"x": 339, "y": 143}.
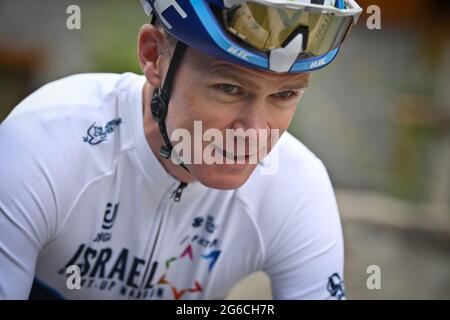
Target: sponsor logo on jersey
{"x": 97, "y": 134}
{"x": 336, "y": 286}
{"x": 108, "y": 222}
{"x": 173, "y": 276}
{"x": 105, "y": 270}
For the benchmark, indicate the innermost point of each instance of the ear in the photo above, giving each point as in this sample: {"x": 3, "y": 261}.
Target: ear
{"x": 150, "y": 48}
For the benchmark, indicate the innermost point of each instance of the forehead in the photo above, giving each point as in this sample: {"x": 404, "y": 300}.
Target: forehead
{"x": 210, "y": 67}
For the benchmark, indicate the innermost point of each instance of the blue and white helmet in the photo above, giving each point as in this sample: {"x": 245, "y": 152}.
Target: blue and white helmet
{"x": 273, "y": 35}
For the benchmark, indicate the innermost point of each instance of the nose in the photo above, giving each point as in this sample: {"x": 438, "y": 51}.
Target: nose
{"x": 251, "y": 127}
{"x": 252, "y": 115}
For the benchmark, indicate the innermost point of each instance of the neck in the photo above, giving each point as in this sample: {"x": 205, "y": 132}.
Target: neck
{"x": 155, "y": 140}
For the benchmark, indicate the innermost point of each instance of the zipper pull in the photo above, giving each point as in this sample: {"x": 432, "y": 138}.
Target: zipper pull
{"x": 176, "y": 195}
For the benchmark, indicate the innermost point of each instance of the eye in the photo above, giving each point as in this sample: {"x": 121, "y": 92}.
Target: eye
{"x": 287, "y": 94}
{"x": 229, "y": 88}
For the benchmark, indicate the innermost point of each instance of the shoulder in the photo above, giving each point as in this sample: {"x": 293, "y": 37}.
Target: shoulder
{"x": 65, "y": 118}
{"x": 290, "y": 174}
{"x": 81, "y": 90}
{"x": 48, "y": 144}
{"x": 295, "y": 211}
{"x": 294, "y": 200}
{"x": 68, "y": 110}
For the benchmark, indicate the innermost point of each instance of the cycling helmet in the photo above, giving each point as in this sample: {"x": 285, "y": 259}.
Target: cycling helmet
{"x": 273, "y": 35}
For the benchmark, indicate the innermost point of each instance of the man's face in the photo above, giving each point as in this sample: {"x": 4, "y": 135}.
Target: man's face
{"x": 225, "y": 96}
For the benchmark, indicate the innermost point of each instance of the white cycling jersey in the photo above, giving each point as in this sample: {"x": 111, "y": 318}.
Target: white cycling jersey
{"x": 79, "y": 185}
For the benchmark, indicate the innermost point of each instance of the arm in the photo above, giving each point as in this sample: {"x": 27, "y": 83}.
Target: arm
{"x": 27, "y": 206}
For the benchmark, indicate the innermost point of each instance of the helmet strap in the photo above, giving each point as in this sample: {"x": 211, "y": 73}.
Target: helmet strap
{"x": 161, "y": 98}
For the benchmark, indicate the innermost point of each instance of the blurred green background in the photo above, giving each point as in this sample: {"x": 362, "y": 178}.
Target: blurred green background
{"x": 379, "y": 118}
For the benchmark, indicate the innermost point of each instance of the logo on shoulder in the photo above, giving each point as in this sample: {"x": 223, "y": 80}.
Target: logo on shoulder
{"x": 336, "y": 287}
{"x": 97, "y": 134}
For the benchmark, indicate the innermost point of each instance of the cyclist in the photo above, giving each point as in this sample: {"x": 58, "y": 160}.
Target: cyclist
{"x": 98, "y": 202}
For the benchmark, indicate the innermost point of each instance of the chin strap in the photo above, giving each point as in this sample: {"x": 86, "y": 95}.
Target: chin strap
{"x": 160, "y": 101}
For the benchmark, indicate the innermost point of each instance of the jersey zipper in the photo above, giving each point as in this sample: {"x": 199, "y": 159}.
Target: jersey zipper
{"x": 176, "y": 196}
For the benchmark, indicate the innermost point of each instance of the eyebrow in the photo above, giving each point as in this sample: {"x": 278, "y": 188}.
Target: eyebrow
{"x": 301, "y": 85}
{"x": 228, "y": 71}
{"x": 297, "y": 84}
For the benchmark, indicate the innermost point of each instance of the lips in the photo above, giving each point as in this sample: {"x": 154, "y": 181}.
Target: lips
{"x": 232, "y": 156}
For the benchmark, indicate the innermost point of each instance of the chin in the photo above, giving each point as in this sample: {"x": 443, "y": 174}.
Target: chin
{"x": 222, "y": 177}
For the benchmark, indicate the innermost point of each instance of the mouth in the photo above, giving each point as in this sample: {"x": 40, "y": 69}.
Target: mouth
{"x": 232, "y": 156}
